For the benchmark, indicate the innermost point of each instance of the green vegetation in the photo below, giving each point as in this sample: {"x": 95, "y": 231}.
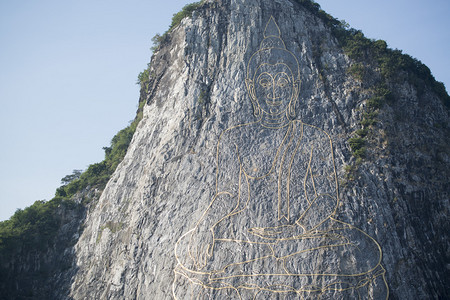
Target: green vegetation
{"x": 357, "y": 146}
{"x": 112, "y": 226}
{"x": 98, "y": 174}
{"x": 158, "y": 39}
{"x": 362, "y": 132}
{"x": 185, "y": 12}
{"x": 358, "y": 143}
{"x": 350, "y": 172}
{"x": 357, "y": 71}
{"x": 202, "y": 103}
{"x": 375, "y": 102}
{"x": 314, "y": 7}
{"x": 393, "y": 64}
{"x": 369, "y": 119}
{"x": 33, "y": 227}
{"x": 144, "y": 76}
{"x": 69, "y": 178}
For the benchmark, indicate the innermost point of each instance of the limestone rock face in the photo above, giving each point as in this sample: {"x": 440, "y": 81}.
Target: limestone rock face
{"x": 230, "y": 191}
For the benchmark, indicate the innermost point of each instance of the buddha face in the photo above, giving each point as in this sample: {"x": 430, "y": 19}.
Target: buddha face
{"x": 273, "y": 88}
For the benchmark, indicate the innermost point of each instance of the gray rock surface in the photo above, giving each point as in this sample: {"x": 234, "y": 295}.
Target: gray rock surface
{"x": 396, "y": 205}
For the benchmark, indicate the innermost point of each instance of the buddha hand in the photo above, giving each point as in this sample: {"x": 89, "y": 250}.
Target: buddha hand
{"x": 284, "y": 232}
{"x": 201, "y": 246}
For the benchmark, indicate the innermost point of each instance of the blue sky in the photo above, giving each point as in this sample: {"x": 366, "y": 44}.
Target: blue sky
{"x": 68, "y": 73}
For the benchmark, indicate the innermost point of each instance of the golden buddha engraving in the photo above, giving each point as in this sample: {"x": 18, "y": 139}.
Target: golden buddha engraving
{"x": 269, "y": 231}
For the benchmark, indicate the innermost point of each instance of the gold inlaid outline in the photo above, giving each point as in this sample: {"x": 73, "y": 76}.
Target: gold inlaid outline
{"x": 268, "y": 236}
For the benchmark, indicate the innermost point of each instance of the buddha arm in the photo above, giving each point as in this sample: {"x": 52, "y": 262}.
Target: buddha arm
{"x": 223, "y": 204}
{"x": 320, "y": 183}
{"x": 202, "y": 240}
{"x": 228, "y": 178}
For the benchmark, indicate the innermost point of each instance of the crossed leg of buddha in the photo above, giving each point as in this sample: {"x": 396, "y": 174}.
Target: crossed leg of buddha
{"x": 324, "y": 261}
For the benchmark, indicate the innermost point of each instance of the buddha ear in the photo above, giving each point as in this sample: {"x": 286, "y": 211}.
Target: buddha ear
{"x": 250, "y": 88}
{"x": 297, "y": 84}
{"x": 251, "y": 91}
{"x": 293, "y": 104}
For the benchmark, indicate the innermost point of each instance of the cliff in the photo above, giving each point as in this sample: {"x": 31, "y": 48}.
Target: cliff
{"x": 280, "y": 156}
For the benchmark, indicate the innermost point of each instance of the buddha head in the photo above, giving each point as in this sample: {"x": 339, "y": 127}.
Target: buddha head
{"x": 273, "y": 76}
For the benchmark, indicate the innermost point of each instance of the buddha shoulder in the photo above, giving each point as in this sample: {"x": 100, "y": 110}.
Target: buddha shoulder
{"x": 237, "y": 135}
{"x": 315, "y": 136}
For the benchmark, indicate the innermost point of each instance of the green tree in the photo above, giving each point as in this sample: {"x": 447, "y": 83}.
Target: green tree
{"x": 69, "y": 178}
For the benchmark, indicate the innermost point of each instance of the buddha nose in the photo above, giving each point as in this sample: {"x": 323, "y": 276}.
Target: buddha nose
{"x": 271, "y": 94}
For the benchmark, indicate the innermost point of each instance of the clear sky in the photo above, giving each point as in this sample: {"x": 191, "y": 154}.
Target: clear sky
{"x": 68, "y": 72}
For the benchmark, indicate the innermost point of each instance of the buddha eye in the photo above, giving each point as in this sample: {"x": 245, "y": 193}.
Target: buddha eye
{"x": 265, "y": 83}
{"x": 282, "y": 82}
